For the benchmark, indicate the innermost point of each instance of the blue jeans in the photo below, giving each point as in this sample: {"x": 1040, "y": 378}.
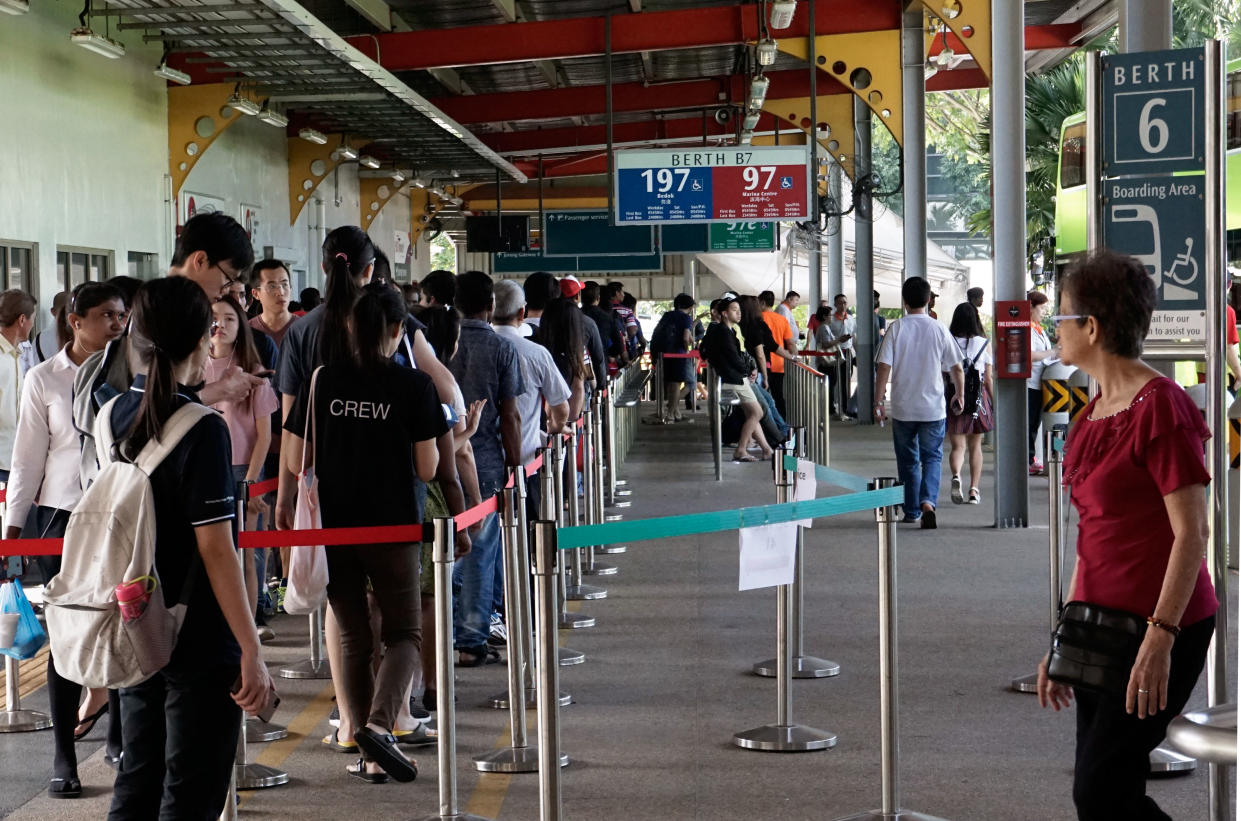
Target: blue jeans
{"x": 476, "y": 573}
{"x": 769, "y": 407}
{"x": 919, "y": 453}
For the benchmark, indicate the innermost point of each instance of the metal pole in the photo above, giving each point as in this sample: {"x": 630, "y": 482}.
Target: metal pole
{"x": 545, "y": 561}
{"x": 803, "y": 666}
{"x": 14, "y": 719}
{"x": 784, "y": 735}
{"x": 591, "y": 567}
{"x": 547, "y": 512}
{"x": 569, "y": 516}
{"x": 577, "y": 591}
{"x": 913, "y": 95}
{"x": 713, "y": 410}
{"x": 444, "y": 530}
{"x": 315, "y": 667}
{"x": 864, "y": 264}
{"x": 1145, "y": 25}
{"x": 835, "y": 237}
{"x": 889, "y": 724}
{"x": 1008, "y": 207}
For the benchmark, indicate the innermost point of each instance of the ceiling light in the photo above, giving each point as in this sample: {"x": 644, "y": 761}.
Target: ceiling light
{"x": 766, "y": 51}
{"x": 87, "y": 39}
{"x": 170, "y": 74}
{"x": 751, "y": 120}
{"x": 312, "y": 136}
{"x": 746, "y": 137}
{"x": 455, "y": 173}
{"x": 368, "y": 161}
{"x": 272, "y": 117}
{"x": 418, "y": 183}
{"x": 930, "y": 70}
{"x": 397, "y": 177}
{"x": 782, "y": 13}
{"x": 14, "y": 6}
{"x": 346, "y": 152}
{"x": 945, "y": 56}
{"x": 242, "y": 105}
{"x": 758, "y": 91}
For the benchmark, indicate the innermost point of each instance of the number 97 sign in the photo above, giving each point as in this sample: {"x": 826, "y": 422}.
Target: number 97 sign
{"x": 1154, "y": 108}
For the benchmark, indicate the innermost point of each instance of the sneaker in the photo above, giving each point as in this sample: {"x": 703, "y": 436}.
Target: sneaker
{"x": 499, "y": 631}
{"x": 957, "y": 497}
{"x": 975, "y": 496}
{"x": 417, "y": 713}
{"x": 266, "y": 634}
{"x": 910, "y": 520}
{"x": 1036, "y": 468}
{"x": 928, "y": 519}
{"x": 278, "y": 598}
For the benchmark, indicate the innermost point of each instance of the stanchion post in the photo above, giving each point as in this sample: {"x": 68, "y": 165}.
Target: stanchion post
{"x": 571, "y": 515}
{"x": 548, "y": 512}
{"x": 713, "y": 412}
{"x": 889, "y": 677}
{"x": 545, "y": 560}
{"x": 658, "y": 389}
{"x": 444, "y": 530}
{"x": 14, "y": 719}
{"x": 577, "y": 590}
{"x": 316, "y": 667}
{"x": 590, "y": 567}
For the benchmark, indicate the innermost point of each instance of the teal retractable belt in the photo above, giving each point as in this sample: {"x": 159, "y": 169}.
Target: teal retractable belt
{"x": 831, "y": 476}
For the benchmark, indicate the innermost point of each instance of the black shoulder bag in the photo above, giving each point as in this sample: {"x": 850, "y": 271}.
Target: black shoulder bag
{"x": 1095, "y": 647}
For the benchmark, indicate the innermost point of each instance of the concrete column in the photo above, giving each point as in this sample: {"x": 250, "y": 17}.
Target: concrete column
{"x": 689, "y": 282}
{"x": 1008, "y": 209}
{"x": 1145, "y": 25}
{"x": 864, "y": 263}
{"x": 815, "y": 264}
{"x": 913, "y": 88}
{"x": 835, "y": 237}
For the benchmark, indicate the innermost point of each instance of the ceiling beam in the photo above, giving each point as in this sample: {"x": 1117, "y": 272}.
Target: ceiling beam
{"x": 594, "y": 137}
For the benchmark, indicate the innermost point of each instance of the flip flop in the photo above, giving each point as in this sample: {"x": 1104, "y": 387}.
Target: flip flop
{"x": 89, "y": 723}
{"x": 337, "y": 746}
{"x": 64, "y": 788}
{"x": 746, "y": 458}
{"x": 358, "y": 771}
{"x": 414, "y": 738}
{"x": 381, "y": 748}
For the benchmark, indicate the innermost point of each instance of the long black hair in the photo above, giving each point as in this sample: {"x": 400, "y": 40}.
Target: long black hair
{"x": 378, "y": 310}
{"x": 347, "y": 253}
{"x": 443, "y": 327}
{"x": 966, "y": 322}
{"x": 562, "y": 332}
{"x": 171, "y": 318}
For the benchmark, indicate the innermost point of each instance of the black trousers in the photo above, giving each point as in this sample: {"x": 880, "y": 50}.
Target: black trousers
{"x": 775, "y": 385}
{"x": 1113, "y": 747}
{"x": 1034, "y": 405}
{"x": 180, "y": 737}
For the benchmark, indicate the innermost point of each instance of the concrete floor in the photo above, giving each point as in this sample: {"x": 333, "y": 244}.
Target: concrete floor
{"x": 666, "y": 682}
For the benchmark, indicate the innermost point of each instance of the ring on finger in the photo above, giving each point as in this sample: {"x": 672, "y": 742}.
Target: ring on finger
{"x": 1143, "y": 692}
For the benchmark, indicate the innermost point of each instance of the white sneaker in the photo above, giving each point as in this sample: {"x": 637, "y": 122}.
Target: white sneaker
{"x": 958, "y": 498}
{"x": 975, "y": 496}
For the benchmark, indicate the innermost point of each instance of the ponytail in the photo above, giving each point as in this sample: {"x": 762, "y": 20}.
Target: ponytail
{"x": 64, "y": 335}
{"x": 347, "y": 253}
{"x": 377, "y": 312}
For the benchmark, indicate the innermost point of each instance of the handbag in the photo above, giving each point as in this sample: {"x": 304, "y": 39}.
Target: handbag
{"x": 29, "y": 635}
{"x": 308, "y": 577}
{"x": 1095, "y": 647}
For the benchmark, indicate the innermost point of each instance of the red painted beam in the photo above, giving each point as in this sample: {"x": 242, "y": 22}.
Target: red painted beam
{"x": 679, "y": 130}
{"x": 585, "y": 36}
{"x": 957, "y": 79}
{"x": 1038, "y": 38}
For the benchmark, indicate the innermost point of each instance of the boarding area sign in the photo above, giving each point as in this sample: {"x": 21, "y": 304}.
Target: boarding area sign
{"x": 733, "y": 184}
{"x": 1154, "y": 112}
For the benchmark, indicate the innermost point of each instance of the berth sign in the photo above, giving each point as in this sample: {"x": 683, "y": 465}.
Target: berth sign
{"x": 1154, "y": 111}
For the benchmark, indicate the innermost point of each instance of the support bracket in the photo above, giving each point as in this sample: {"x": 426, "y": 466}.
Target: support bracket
{"x": 835, "y": 115}
{"x": 196, "y": 119}
{"x": 970, "y": 21}
{"x": 373, "y": 194}
{"x": 309, "y": 165}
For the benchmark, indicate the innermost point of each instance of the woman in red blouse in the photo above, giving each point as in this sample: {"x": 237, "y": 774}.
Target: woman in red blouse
{"x": 1135, "y": 466}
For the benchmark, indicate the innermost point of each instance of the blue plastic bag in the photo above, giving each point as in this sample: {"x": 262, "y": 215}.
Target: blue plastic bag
{"x": 30, "y": 634}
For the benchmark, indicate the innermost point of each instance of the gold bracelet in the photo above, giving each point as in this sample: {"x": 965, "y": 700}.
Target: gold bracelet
{"x": 1163, "y": 625}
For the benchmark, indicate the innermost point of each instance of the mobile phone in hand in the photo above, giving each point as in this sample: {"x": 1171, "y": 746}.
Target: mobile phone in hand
{"x": 269, "y": 709}
{"x": 11, "y": 568}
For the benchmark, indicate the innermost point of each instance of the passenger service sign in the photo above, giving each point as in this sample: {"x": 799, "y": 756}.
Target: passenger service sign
{"x": 738, "y": 183}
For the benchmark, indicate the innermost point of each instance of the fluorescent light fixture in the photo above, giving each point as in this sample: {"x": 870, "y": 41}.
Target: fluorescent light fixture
{"x": 170, "y": 74}
{"x": 439, "y": 192}
{"x": 455, "y": 173}
{"x": 751, "y": 120}
{"x": 782, "y": 13}
{"x": 272, "y": 117}
{"x": 758, "y": 91}
{"x": 97, "y": 43}
{"x": 418, "y": 183}
{"x": 312, "y": 136}
{"x": 945, "y": 56}
{"x": 766, "y": 51}
{"x": 367, "y": 161}
{"x": 242, "y": 105}
{"x": 747, "y": 136}
{"x": 397, "y": 177}
{"x": 14, "y": 6}
{"x": 346, "y": 152}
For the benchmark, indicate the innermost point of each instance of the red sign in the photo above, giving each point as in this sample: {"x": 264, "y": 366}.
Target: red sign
{"x": 759, "y": 192}
{"x": 1012, "y": 330}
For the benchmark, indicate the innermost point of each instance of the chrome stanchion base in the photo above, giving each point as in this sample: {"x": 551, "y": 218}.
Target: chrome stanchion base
{"x": 600, "y": 569}
{"x": 461, "y": 816}
{"x": 790, "y": 738}
{"x": 258, "y": 776}
{"x": 513, "y": 760}
{"x": 803, "y": 667}
{"x": 1168, "y": 763}
{"x": 307, "y": 670}
{"x": 613, "y": 517}
{"x": 1025, "y": 684}
{"x": 258, "y": 733}
{"x": 622, "y": 482}
{"x": 575, "y": 621}
{"x": 899, "y": 815}
{"x": 23, "y": 721}
{"x": 584, "y": 592}
{"x": 621, "y": 493}
{"x": 611, "y": 549}
{"x": 617, "y": 504}
{"x": 567, "y": 658}
{"x": 500, "y": 701}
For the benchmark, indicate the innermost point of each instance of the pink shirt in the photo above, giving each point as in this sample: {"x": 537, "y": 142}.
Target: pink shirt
{"x": 241, "y": 416}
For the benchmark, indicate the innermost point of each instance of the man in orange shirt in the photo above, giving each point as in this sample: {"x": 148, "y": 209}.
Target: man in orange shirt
{"x": 786, "y": 347}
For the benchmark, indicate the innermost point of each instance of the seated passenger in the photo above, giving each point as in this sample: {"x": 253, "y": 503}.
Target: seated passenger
{"x": 723, "y": 351}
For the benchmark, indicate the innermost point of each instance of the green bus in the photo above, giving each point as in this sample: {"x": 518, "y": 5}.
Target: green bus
{"x": 1071, "y": 179}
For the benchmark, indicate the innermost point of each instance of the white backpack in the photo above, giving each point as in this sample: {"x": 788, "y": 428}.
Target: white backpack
{"x": 110, "y": 539}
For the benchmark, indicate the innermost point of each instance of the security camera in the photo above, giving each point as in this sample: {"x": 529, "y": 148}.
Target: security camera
{"x": 723, "y": 115}
{"x": 424, "y": 218}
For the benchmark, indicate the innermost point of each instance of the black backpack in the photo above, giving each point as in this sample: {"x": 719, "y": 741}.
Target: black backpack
{"x": 973, "y": 382}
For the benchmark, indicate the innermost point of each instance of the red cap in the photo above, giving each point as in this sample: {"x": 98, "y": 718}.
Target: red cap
{"x": 570, "y": 287}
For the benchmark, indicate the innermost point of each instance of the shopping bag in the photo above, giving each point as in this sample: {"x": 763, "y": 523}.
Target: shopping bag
{"x": 307, "y": 587}
{"x": 30, "y": 635}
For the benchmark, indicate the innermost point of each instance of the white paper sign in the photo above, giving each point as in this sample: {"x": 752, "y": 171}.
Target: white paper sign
{"x": 805, "y": 486}
{"x": 767, "y": 555}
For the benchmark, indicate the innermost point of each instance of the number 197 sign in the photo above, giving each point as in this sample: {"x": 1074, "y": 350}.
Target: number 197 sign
{"x": 741, "y": 183}
{"x": 1154, "y": 110}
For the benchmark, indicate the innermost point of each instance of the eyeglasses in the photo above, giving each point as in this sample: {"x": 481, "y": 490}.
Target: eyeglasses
{"x": 1058, "y": 318}
{"x": 277, "y": 287}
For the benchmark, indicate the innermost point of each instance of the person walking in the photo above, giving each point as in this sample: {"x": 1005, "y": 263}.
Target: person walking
{"x": 785, "y": 309}
{"x": 965, "y": 429}
{"x": 785, "y": 348}
{"x": 915, "y": 351}
{"x": 844, "y": 326}
{"x": 1042, "y": 352}
{"x": 16, "y": 321}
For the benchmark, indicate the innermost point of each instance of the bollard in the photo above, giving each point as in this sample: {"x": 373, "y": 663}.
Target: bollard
{"x": 611, "y": 494}
{"x": 888, "y": 674}
{"x": 14, "y": 719}
{"x": 545, "y": 561}
{"x": 713, "y": 412}
{"x": 803, "y": 666}
{"x": 570, "y": 514}
{"x": 784, "y": 735}
{"x": 316, "y": 667}
{"x": 577, "y": 591}
{"x": 657, "y": 390}
{"x": 547, "y": 512}
{"x": 590, "y": 567}
{"x": 446, "y": 715}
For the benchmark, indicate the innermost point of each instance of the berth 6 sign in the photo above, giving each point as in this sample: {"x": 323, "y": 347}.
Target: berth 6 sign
{"x": 1154, "y": 112}
{"x": 734, "y": 184}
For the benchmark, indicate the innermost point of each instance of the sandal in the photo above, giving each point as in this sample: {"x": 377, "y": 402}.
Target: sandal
{"x": 957, "y": 497}
{"x": 381, "y": 748}
{"x": 358, "y": 770}
{"x": 477, "y": 657}
{"x": 414, "y": 738}
{"x": 975, "y": 496}
{"x": 89, "y": 723}
{"x": 337, "y": 746}
{"x": 64, "y": 788}
{"x": 746, "y": 458}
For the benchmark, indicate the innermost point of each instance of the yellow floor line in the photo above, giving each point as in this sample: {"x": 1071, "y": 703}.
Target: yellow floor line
{"x": 275, "y": 753}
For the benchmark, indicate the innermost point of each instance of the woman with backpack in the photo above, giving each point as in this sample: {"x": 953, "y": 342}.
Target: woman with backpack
{"x": 45, "y": 486}
{"x": 365, "y": 403}
{"x": 180, "y": 726}
{"x": 965, "y": 429}
{"x": 675, "y": 334}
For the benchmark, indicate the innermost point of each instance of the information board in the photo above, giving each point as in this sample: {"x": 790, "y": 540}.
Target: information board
{"x": 591, "y": 233}
{"x": 1161, "y": 221}
{"x": 697, "y": 238}
{"x": 1154, "y": 111}
{"x": 712, "y": 185}
{"x": 530, "y": 261}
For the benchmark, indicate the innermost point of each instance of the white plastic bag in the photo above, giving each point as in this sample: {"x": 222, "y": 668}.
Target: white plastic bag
{"x": 307, "y": 587}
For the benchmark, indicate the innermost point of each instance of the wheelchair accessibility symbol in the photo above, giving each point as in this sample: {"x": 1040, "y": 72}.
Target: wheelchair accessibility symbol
{"x": 696, "y": 185}
{"x": 1171, "y": 283}
{"x": 786, "y": 183}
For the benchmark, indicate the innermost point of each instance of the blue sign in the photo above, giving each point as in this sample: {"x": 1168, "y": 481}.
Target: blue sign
{"x": 578, "y": 233}
{"x": 530, "y": 261}
{"x": 1154, "y": 112}
{"x": 680, "y": 194}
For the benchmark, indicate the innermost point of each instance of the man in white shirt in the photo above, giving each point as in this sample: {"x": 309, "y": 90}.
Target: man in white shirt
{"x": 915, "y": 352}
{"x": 16, "y": 320}
{"x": 785, "y": 309}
